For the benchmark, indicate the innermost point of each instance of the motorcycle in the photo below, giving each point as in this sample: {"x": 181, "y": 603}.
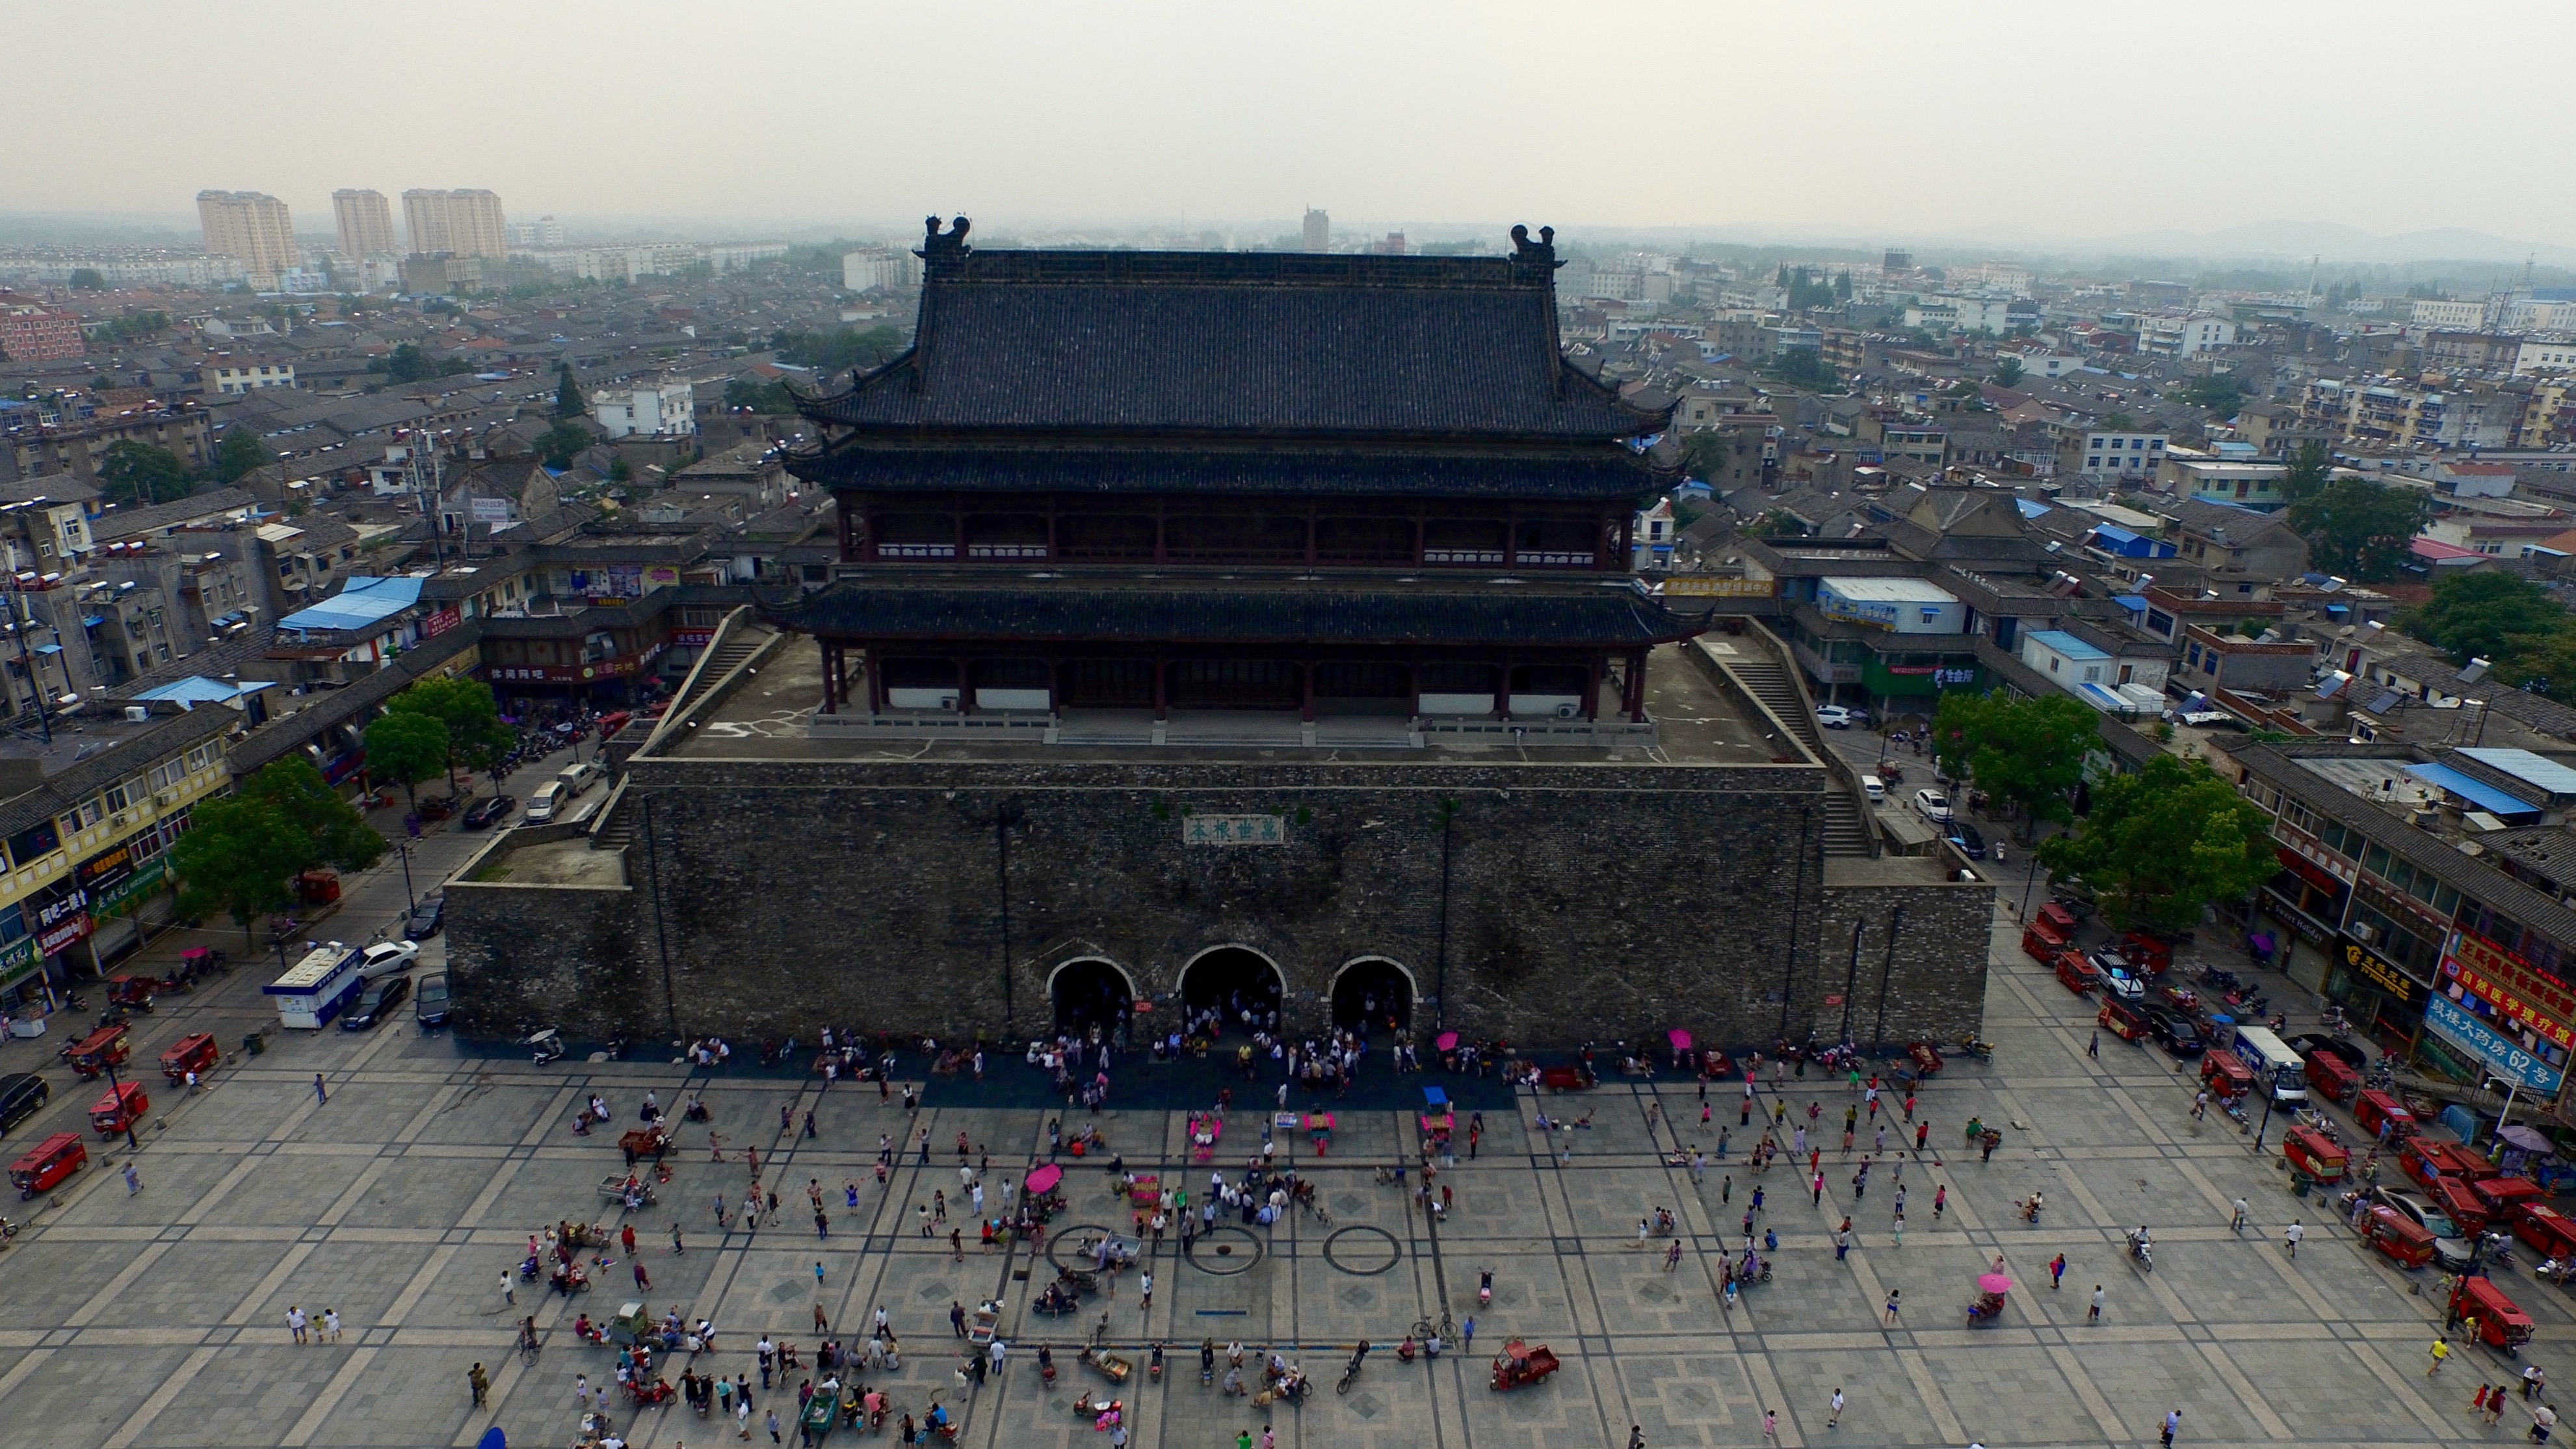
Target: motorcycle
{"x": 546, "y": 1046}
{"x": 2223, "y": 980}
{"x": 1983, "y": 1051}
{"x": 2142, "y": 1253}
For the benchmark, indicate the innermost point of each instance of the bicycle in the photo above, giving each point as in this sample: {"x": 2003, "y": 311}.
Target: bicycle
{"x": 1446, "y": 1332}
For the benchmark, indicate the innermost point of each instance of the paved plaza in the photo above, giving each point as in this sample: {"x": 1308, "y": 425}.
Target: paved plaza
{"x": 159, "y": 1318}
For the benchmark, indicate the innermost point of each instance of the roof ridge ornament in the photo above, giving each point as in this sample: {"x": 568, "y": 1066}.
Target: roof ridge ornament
{"x": 938, "y": 246}
{"x": 1538, "y": 253}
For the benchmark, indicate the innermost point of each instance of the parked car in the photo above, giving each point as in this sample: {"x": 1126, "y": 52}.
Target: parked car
{"x": 1840, "y": 717}
{"x": 376, "y": 1002}
{"x": 1965, "y": 836}
{"x": 2314, "y": 1043}
{"x": 2451, "y": 1246}
{"x": 2175, "y": 1032}
{"x": 2118, "y": 977}
{"x": 425, "y": 919}
{"x": 430, "y": 1006}
{"x": 387, "y": 958}
{"x": 488, "y": 810}
{"x": 1934, "y": 805}
{"x": 542, "y": 804}
{"x": 21, "y": 1094}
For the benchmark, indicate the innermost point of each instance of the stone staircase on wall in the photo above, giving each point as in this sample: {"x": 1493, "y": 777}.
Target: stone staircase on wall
{"x": 1847, "y": 830}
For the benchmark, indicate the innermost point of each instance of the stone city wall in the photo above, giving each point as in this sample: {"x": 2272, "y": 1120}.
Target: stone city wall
{"x": 1582, "y": 902}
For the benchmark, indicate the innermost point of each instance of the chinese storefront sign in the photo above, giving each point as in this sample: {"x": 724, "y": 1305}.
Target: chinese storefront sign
{"x": 2457, "y": 1025}
{"x": 1233, "y": 830}
{"x": 2382, "y": 974}
{"x": 2477, "y": 967}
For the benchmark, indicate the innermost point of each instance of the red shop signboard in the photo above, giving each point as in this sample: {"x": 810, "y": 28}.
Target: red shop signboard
{"x": 2521, "y": 994}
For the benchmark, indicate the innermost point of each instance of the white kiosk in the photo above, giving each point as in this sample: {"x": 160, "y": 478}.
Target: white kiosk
{"x": 314, "y": 990}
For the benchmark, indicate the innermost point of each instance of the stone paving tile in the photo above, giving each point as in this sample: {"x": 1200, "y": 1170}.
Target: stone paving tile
{"x": 83, "y": 1395}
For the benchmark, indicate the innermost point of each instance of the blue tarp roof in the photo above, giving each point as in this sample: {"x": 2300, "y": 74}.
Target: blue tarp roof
{"x": 2061, "y": 642}
{"x": 2134, "y": 603}
{"x": 2030, "y": 509}
{"x": 365, "y": 601}
{"x": 2486, "y": 797}
{"x": 2529, "y": 768}
{"x": 197, "y": 689}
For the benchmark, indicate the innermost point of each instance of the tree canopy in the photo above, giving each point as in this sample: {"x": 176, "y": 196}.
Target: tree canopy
{"x": 758, "y": 397}
{"x": 2160, "y": 845}
{"x": 2220, "y": 392}
{"x": 838, "y": 350}
{"x": 406, "y": 749}
{"x": 569, "y": 403}
{"x": 2485, "y": 614}
{"x": 2007, "y": 371}
{"x": 240, "y": 452}
{"x": 2028, "y": 752}
{"x": 410, "y": 364}
{"x": 139, "y": 473}
{"x": 238, "y": 857}
{"x": 341, "y": 836}
{"x": 560, "y": 444}
{"x": 87, "y": 279}
{"x": 465, "y": 708}
{"x": 2358, "y": 529}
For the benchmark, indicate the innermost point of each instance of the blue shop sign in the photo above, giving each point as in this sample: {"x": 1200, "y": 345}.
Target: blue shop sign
{"x": 2506, "y": 1056}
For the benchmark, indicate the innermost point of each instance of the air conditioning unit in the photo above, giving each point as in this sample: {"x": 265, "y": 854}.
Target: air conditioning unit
{"x": 118, "y": 819}
{"x": 137, "y": 714}
{"x": 947, "y": 701}
{"x": 1567, "y": 711}
{"x": 165, "y": 799}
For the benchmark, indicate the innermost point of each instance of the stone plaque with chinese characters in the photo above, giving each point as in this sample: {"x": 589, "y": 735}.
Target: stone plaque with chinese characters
{"x": 1233, "y": 830}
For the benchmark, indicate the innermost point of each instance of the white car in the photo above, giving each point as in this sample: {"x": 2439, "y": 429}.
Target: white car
{"x": 1934, "y": 805}
{"x": 388, "y": 958}
{"x": 1837, "y": 717}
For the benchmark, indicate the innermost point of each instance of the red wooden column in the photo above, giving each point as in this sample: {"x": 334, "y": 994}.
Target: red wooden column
{"x": 1637, "y": 686}
{"x": 1592, "y": 686}
{"x": 824, "y": 647}
{"x": 965, "y": 685}
{"x": 876, "y": 678}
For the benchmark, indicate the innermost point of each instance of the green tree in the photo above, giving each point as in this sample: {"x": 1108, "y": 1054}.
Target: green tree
{"x": 406, "y": 749}
{"x": 2309, "y": 471}
{"x": 2220, "y": 392}
{"x": 238, "y": 857}
{"x": 465, "y": 708}
{"x": 2359, "y": 529}
{"x": 569, "y": 403}
{"x": 2119, "y": 423}
{"x": 759, "y": 397}
{"x": 560, "y": 444}
{"x": 2160, "y": 845}
{"x": 838, "y": 350}
{"x": 1803, "y": 367}
{"x": 2008, "y": 371}
{"x": 1842, "y": 286}
{"x": 1778, "y": 523}
{"x": 341, "y": 836}
{"x": 1705, "y": 455}
{"x": 2481, "y": 615}
{"x": 138, "y": 473}
{"x": 87, "y": 279}
{"x": 239, "y": 453}
{"x": 2027, "y": 752}
{"x": 410, "y": 364}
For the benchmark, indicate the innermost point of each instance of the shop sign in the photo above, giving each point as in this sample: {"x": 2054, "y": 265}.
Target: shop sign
{"x": 618, "y": 667}
{"x": 125, "y": 892}
{"x": 61, "y": 908}
{"x": 1234, "y": 830}
{"x": 2309, "y": 928}
{"x": 2316, "y": 861}
{"x": 2519, "y": 994}
{"x": 105, "y": 870}
{"x": 1940, "y": 675}
{"x": 2455, "y": 1024}
{"x": 692, "y": 638}
{"x": 16, "y": 960}
{"x": 2384, "y": 975}
{"x": 2307, "y": 870}
{"x": 1715, "y": 588}
{"x": 440, "y": 622}
{"x": 63, "y": 935}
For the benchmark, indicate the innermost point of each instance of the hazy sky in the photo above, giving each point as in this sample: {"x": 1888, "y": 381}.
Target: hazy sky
{"x": 1892, "y": 120}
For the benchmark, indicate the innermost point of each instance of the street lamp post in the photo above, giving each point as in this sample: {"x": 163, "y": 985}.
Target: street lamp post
{"x": 118, "y": 1088}
{"x": 2266, "y": 1124}
{"x": 409, "y": 895}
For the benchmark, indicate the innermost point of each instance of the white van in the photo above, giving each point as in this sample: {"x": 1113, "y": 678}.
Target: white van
{"x": 542, "y": 805}
{"x": 577, "y": 778}
{"x": 1874, "y": 788}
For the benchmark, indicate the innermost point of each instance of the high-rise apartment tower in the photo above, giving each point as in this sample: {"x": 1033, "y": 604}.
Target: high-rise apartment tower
{"x": 251, "y": 227}
{"x": 366, "y": 222}
{"x": 1319, "y": 231}
{"x": 467, "y": 223}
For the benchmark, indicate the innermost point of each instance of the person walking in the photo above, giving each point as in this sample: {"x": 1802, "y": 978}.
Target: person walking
{"x": 2236, "y": 1223}
{"x": 480, "y": 1382}
{"x": 957, "y": 1317}
{"x": 2291, "y": 1235}
{"x": 1771, "y": 1427}
{"x": 1816, "y": 1193}
{"x": 1673, "y": 1258}
{"x": 1467, "y": 1333}
{"x": 2056, "y": 1271}
{"x": 2544, "y": 1417}
{"x": 677, "y": 1247}
{"x": 1842, "y": 1240}
{"x": 322, "y": 1095}
{"x": 133, "y": 1180}
{"x": 509, "y": 1288}
{"x": 331, "y": 1324}
{"x": 297, "y": 1323}
{"x": 2094, "y": 1314}
{"x": 1835, "y": 1419}
{"x": 2441, "y": 1352}
{"x": 2093, "y": 1048}
{"x": 643, "y": 1282}
{"x": 1636, "y": 1437}
{"x": 1892, "y": 1295}
{"x": 1940, "y": 1200}
{"x": 2173, "y": 1423}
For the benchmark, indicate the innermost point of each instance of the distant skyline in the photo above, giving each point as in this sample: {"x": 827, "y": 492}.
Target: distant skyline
{"x": 2025, "y": 125}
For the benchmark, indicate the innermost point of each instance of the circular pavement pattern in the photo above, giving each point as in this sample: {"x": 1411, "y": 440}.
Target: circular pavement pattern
{"x": 1224, "y": 1252}
{"x": 1375, "y": 1252}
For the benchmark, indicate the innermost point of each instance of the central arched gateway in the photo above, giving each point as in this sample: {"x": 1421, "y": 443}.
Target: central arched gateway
{"x": 1373, "y": 994}
{"x": 1233, "y": 979}
{"x": 1091, "y": 991}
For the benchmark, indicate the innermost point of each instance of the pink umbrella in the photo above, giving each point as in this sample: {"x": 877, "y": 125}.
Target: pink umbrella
{"x": 1445, "y": 1041}
{"x": 1680, "y": 1039}
{"x": 1995, "y": 1283}
{"x": 1045, "y": 1178}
